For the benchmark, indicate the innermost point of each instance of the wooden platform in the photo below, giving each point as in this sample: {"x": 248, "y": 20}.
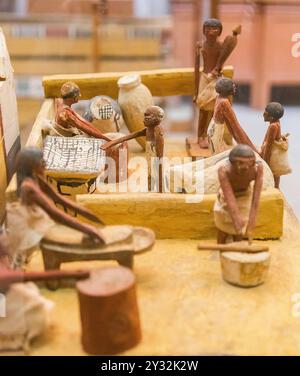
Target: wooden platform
{"x": 195, "y": 151}
{"x": 187, "y": 309}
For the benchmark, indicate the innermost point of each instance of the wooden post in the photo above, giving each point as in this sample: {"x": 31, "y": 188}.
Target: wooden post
{"x": 214, "y": 9}
{"x": 197, "y": 20}
{"x": 95, "y": 35}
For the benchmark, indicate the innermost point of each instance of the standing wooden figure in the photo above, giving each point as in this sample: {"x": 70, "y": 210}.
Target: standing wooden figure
{"x": 237, "y": 203}
{"x": 214, "y": 54}
{"x": 154, "y": 143}
{"x": 275, "y": 145}
{"x": 224, "y": 125}
{"x": 67, "y": 121}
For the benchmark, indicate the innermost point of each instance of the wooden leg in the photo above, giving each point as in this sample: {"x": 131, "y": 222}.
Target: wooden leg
{"x": 222, "y": 237}
{"x": 126, "y": 261}
{"x": 277, "y": 181}
{"x": 51, "y": 263}
{"x": 203, "y": 122}
{"x": 237, "y": 238}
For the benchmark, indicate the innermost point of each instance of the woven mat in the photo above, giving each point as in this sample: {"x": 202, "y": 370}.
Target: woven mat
{"x": 74, "y": 155}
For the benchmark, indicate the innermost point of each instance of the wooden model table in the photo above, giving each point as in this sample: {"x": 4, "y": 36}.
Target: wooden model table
{"x": 73, "y": 162}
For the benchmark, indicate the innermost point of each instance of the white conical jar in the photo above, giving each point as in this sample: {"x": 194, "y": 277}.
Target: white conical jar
{"x": 134, "y": 99}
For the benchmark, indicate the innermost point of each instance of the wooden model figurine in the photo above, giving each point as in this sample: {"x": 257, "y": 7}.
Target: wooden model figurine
{"x": 236, "y": 207}
{"x": 275, "y": 145}
{"x": 32, "y": 215}
{"x": 154, "y": 142}
{"x": 67, "y": 121}
{"x": 214, "y": 54}
{"x": 224, "y": 125}
{"x": 30, "y": 221}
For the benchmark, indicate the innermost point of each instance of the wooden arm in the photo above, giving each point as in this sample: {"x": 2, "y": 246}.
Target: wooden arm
{"x": 231, "y": 201}
{"x": 35, "y": 195}
{"x": 255, "y": 199}
{"x": 130, "y": 136}
{"x": 8, "y": 277}
{"x": 228, "y": 46}
{"x": 66, "y": 203}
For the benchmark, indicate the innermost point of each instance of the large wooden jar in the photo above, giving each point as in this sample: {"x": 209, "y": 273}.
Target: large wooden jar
{"x": 134, "y": 99}
{"x": 119, "y": 154}
{"x": 109, "y": 311}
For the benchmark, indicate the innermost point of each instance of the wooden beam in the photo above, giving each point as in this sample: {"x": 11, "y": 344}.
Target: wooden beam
{"x": 170, "y": 216}
{"x": 162, "y": 82}
{"x": 34, "y": 139}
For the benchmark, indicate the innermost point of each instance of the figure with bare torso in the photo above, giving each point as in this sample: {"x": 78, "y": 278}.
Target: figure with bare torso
{"x": 214, "y": 54}
{"x": 275, "y": 145}
{"x": 236, "y": 207}
{"x": 67, "y": 121}
{"x": 154, "y": 142}
{"x": 224, "y": 125}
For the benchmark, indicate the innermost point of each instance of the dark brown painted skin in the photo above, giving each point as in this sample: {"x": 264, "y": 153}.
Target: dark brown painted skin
{"x": 37, "y": 191}
{"x": 236, "y": 177}
{"x": 153, "y": 133}
{"x": 273, "y": 134}
{"x": 66, "y": 117}
{"x": 215, "y": 54}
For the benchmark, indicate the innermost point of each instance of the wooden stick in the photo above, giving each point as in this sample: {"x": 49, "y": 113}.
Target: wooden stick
{"x": 232, "y": 247}
{"x": 9, "y": 277}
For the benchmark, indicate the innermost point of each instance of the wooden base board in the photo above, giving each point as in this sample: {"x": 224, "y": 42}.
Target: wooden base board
{"x": 177, "y": 216}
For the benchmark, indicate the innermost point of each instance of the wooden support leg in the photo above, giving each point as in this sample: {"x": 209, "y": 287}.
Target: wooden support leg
{"x": 126, "y": 261}
{"x": 51, "y": 263}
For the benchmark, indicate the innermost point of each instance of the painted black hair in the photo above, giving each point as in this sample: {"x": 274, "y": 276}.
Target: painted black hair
{"x": 241, "y": 151}
{"x": 275, "y": 109}
{"x": 213, "y": 22}
{"x": 27, "y": 161}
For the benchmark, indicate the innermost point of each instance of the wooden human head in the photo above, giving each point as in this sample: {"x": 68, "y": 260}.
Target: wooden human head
{"x": 225, "y": 87}
{"x": 212, "y": 28}
{"x": 153, "y": 116}
{"x": 29, "y": 162}
{"x": 242, "y": 159}
{"x": 273, "y": 111}
{"x": 70, "y": 92}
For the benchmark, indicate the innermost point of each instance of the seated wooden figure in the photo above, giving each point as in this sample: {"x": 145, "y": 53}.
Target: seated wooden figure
{"x": 224, "y": 125}
{"x": 275, "y": 145}
{"x": 34, "y": 217}
{"x": 67, "y": 121}
{"x": 236, "y": 207}
{"x": 154, "y": 142}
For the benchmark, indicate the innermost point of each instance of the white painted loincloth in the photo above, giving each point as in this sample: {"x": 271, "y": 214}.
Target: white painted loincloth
{"x": 26, "y": 224}
{"x": 222, "y": 217}
{"x": 27, "y": 315}
{"x": 219, "y": 138}
{"x": 207, "y": 92}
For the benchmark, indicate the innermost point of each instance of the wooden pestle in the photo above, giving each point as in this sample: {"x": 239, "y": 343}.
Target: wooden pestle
{"x": 234, "y": 247}
{"x": 8, "y": 277}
